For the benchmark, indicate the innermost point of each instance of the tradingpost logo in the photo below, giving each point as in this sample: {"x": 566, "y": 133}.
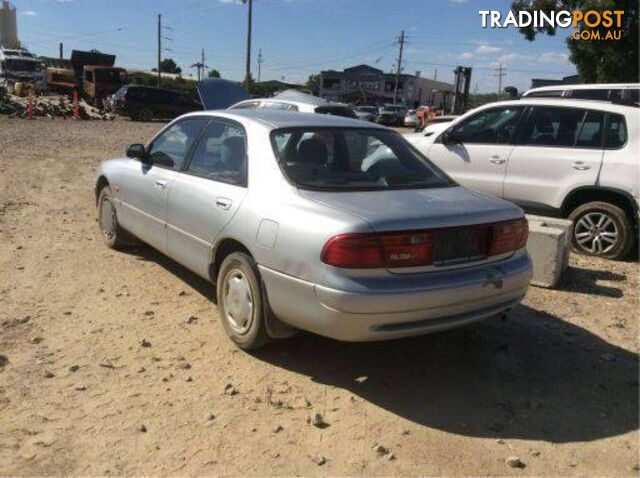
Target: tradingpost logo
{"x": 602, "y": 25}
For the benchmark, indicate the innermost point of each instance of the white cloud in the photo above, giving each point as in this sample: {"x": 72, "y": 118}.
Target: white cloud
{"x": 511, "y": 56}
{"x": 467, "y": 55}
{"x": 553, "y": 57}
{"x": 459, "y": 2}
{"x": 29, "y": 13}
{"x": 487, "y": 49}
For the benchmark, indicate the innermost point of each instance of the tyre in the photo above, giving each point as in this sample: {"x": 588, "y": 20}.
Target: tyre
{"x": 115, "y": 237}
{"x": 240, "y": 303}
{"x": 602, "y": 229}
{"x": 145, "y": 114}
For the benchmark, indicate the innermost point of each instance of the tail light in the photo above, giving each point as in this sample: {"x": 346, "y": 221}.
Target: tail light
{"x": 509, "y": 236}
{"x": 416, "y": 248}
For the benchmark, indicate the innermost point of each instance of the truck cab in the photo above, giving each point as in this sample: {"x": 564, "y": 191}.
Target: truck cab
{"x": 20, "y": 66}
{"x": 98, "y": 82}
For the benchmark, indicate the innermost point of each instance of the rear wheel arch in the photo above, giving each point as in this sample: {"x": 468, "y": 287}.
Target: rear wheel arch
{"x": 616, "y": 197}
{"x": 221, "y": 251}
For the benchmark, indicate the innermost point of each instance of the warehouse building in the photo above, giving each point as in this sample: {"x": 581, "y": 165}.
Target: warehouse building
{"x": 364, "y": 84}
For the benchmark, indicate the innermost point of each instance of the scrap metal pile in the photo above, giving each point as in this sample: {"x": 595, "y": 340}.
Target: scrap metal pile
{"x": 58, "y": 106}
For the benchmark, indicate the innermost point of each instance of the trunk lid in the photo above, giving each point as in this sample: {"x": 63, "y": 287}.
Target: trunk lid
{"x": 453, "y": 209}
{"x": 413, "y": 209}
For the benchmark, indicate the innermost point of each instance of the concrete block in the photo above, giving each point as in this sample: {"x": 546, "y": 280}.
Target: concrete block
{"x": 549, "y": 246}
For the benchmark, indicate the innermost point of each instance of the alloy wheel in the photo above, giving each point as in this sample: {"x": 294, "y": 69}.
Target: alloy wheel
{"x": 596, "y": 233}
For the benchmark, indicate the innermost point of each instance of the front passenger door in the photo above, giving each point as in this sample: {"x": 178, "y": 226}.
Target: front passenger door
{"x": 144, "y": 186}
{"x": 479, "y": 149}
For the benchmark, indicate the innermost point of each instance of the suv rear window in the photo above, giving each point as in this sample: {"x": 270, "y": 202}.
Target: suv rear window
{"x": 591, "y": 94}
{"x": 353, "y": 159}
{"x": 616, "y": 132}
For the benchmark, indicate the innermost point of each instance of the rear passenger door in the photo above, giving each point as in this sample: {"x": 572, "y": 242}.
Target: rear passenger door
{"x": 206, "y": 194}
{"x": 559, "y": 149}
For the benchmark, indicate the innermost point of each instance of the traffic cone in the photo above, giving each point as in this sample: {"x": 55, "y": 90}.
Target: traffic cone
{"x": 76, "y": 106}
{"x": 30, "y": 107}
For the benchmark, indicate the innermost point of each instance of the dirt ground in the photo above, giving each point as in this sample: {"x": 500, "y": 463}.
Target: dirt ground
{"x": 116, "y": 364}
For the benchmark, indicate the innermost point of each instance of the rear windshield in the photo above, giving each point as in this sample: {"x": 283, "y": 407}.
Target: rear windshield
{"x": 345, "y": 111}
{"x": 348, "y": 159}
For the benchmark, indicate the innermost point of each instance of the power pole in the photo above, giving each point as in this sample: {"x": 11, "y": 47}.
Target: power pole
{"x": 247, "y": 78}
{"x": 501, "y": 73}
{"x": 200, "y": 66}
{"x": 260, "y": 61}
{"x": 159, "y": 45}
{"x": 61, "y": 51}
{"x": 399, "y": 69}
{"x": 435, "y": 75}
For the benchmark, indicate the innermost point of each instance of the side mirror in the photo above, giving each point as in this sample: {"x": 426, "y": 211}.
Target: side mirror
{"x": 137, "y": 151}
{"x": 449, "y": 137}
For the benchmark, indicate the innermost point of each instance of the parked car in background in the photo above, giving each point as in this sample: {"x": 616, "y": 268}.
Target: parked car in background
{"x": 316, "y": 222}
{"x": 145, "y": 103}
{"x": 292, "y": 100}
{"x": 560, "y": 157}
{"x": 411, "y": 119}
{"x": 366, "y": 113}
{"x": 391, "y": 115}
{"x": 625, "y": 93}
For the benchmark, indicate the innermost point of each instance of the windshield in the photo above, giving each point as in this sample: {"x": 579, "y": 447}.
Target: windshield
{"x": 110, "y": 76}
{"x": 348, "y": 159}
{"x": 23, "y": 65}
{"x": 367, "y": 109}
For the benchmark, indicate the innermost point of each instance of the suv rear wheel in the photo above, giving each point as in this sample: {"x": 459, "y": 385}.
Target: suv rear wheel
{"x": 601, "y": 229}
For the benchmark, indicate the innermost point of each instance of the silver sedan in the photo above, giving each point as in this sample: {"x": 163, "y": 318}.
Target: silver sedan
{"x": 315, "y": 222}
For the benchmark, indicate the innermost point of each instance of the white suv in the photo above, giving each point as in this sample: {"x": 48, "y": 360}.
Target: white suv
{"x": 573, "y": 158}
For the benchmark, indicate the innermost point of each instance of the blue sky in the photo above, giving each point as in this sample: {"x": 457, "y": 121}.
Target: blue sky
{"x": 297, "y": 37}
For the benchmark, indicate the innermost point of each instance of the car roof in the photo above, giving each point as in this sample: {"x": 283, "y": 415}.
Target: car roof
{"x": 595, "y": 86}
{"x": 565, "y": 102}
{"x": 277, "y": 119}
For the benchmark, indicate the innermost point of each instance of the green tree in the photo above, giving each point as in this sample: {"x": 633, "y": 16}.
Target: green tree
{"x": 313, "y": 84}
{"x": 169, "y": 66}
{"x": 250, "y": 84}
{"x": 213, "y": 73}
{"x": 597, "y": 61}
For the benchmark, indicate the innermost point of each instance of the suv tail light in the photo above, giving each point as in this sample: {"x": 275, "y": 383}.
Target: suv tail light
{"x": 416, "y": 248}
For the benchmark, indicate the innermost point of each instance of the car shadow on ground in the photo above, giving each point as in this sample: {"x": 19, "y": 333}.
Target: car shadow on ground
{"x": 532, "y": 376}
{"x": 586, "y": 281}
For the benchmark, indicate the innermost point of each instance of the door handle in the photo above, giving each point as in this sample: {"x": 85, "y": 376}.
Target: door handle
{"x": 580, "y": 166}
{"x": 223, "y": 203}
{"x": 161, "y": 183}
{"x": 497, "y": 160}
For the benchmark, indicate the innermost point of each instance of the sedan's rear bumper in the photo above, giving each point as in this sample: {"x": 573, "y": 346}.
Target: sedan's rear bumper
{"x": 431, "y": 302}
